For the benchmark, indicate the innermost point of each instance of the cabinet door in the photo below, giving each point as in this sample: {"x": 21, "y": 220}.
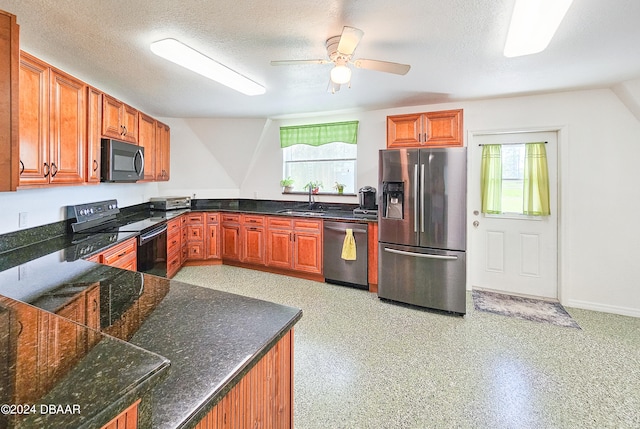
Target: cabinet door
{"x": 147, "y": 139}
{"x": 129, "y": 117}
{"x": 253, "y": 245}
{"x": 213, "y": 241}
{"x": 94, "y": 124}
{"x": 231, "y": 242}
{"x": 404, "y": 130}
{"x": 67, "y": 138}
{"x": 111, "y": 120}
{"x": 34, "y": 121}
{"x": 307, "y": 252}
{"x": 92, "y": 319}
{"x": 444, "y": 128}
{"x": 9, "y": 102}
{"x": 163, "y": 145}
{"x": 279, "y": 252}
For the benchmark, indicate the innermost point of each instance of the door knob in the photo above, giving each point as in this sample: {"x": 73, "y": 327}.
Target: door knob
{"x": 476, "y": 223}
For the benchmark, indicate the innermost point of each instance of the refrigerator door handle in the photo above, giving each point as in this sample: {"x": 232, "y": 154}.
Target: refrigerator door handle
{"x": 423, "y": 186}
{"x": 421, "y": 255}
{"x": 415, "y": 198}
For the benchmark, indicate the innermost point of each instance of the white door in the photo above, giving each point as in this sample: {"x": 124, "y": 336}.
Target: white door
{"x": 513, "y": 253}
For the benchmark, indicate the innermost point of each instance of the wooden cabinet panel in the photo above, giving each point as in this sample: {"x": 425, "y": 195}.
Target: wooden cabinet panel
{"x": 279, "y": 252}
{"x": 52, "y": 125}
{"x": 253, "y": 245}
{"x": 67, "y": 141}
{"x": 147, "y": 139}
{"x": 9, "y": 102}
{"x": 230, "y": 237}
{"x": 372, "y": 253}
{"x": 404, "y": 130}
{"x": 213, "y": 237}
{"x": 122, "y": 255}
{"x": 195, "y": 236}
{"x": 163, "y": 145}
{"x": 294, "y": 244}
{"x": 34, "y": 121}
{"x": 307, "y": 253}
{"x": 128, "y": 419}
{"x": 119, "y": 121}
{"x": 94, "y": 123}
{"x": 444, "y": 128}
{"x": 432, "y": 129}
{"x": 263, "y": 398}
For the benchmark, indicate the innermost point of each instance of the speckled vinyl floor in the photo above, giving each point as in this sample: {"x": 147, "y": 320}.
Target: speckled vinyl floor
{"x": 364, "y": 363}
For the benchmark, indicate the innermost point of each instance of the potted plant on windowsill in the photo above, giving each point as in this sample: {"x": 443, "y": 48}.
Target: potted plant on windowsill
{"x": 313, "y": 186}
{"x": 287, "y": 185}
{"x": 339, "y": 187}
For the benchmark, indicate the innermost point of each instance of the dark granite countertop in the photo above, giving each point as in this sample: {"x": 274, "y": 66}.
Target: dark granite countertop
{"x": 211, "y": 338}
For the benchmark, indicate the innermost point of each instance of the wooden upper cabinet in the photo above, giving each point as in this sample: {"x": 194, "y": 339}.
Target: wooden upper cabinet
{"x": 119, "y": 121}
{"x": 94, "y": 125}
{"x": 147, "y": 139}
{"x": 432, "y": 129}
{"x": 9, "y": 102}
{"x": 67, "y": 127}
{"x": 34, "y": 121}
{"x": 163, "y": 144}
{"x": 52, "y": 125}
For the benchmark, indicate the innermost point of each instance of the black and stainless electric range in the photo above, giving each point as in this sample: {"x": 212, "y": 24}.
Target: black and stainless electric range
{"x": 99, "y": 223}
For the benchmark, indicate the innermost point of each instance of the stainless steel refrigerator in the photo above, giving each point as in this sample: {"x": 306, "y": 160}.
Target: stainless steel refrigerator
{"x": 422, "y": 227}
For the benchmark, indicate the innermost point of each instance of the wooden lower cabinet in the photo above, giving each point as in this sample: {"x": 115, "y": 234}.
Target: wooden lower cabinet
{"x": 128, "y": 419}
{"x": 195, "y": 236}
{"x": 174, "y": 246}
{"x": 372, "y": 253}
{"x": 123, "y": 255}
{"x": 294, "y": 244}
{"x": 252, "y": 240}
{"x": 212, "y": 240}
{"x": 230, "y": 237}
{"x": 263, "y": 398}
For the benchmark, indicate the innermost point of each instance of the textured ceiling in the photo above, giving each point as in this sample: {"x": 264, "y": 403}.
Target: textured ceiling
{"x": 454, "y": 48}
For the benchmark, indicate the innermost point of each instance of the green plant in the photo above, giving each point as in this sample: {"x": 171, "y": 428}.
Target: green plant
{"x": 339, "y": 187}
{"x": 313, "y": 185}
{"x": 287, "y": 182}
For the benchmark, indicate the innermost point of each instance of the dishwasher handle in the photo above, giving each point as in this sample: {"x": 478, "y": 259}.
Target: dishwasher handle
{"x": 344, "y": 230}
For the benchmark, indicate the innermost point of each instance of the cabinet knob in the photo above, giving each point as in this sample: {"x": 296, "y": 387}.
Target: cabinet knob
{"x": 21, "y": 167}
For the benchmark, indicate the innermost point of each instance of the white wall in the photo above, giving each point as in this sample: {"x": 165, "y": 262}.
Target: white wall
{"x": 48, "y": 205}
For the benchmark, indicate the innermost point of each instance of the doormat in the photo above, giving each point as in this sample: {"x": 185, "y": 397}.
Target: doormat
{"x": 536, "y": 310}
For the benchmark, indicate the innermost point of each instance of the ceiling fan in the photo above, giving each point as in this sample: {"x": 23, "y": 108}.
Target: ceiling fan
{"x": 340, "y": 50}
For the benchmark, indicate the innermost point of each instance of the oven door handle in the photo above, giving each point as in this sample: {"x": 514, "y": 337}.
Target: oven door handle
{"x": 144, "y": 238}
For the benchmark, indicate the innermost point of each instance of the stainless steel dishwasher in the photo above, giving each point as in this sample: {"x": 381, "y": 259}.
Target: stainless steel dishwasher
{"x": 338, "y": 270}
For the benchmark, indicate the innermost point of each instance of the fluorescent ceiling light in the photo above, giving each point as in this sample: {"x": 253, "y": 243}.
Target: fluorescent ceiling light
{"x": 533, "y": 24}
{"x": 189, "y": 58}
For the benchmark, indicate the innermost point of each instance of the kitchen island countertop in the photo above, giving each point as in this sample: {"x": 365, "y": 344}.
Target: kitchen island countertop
{"x": 209, "y": 338}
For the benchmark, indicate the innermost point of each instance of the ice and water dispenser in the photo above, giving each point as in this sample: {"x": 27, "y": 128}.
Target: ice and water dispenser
{"x": 393, "y": 200}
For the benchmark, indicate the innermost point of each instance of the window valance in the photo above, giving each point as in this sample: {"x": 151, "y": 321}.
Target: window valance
{"x": 319, "y": 134}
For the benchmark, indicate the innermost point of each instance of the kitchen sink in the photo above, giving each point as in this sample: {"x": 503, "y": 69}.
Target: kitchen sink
{"x": 302, "y": 213}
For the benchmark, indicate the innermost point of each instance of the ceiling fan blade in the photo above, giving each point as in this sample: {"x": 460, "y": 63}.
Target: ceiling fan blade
{"x": 383, "y": 66}
{"x": 349, "y": 39}
{"x": 296, "y": 62}
{"x": 333, "y": 87}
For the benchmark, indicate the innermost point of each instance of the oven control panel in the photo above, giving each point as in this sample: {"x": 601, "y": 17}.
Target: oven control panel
{"x": 92, "y": 214}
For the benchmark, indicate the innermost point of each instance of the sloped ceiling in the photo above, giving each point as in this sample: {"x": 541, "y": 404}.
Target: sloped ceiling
{"x": 454, "y": 48}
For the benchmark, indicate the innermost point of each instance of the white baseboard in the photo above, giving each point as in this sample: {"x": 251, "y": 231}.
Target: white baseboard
{"x": 586, "y": 305}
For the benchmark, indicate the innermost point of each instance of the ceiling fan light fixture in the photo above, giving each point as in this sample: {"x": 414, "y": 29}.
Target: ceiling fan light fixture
{"x": 340, "y": 74}
{"x": 533, "y": 25}
{"x": 187, "y": 57}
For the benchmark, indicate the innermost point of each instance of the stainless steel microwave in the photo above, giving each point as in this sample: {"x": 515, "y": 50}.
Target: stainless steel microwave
{"x": 121, "y": 162}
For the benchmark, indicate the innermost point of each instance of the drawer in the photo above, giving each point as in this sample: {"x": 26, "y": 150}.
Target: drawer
{"x": 195, "y": 219}
{"x": 173, "y": 263}
{"x": 231, "y": 218}
{"x": 277, "y": 222}
{"x": 173, "y": 243}
{"x": 253, "y": 219}
{"x": 213, "y": 217}
{"x": 309, "y": 225}
{"x": 173, "y": 226}
{"x": 120, "y": 251}
{"x": 195, "y": 251}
